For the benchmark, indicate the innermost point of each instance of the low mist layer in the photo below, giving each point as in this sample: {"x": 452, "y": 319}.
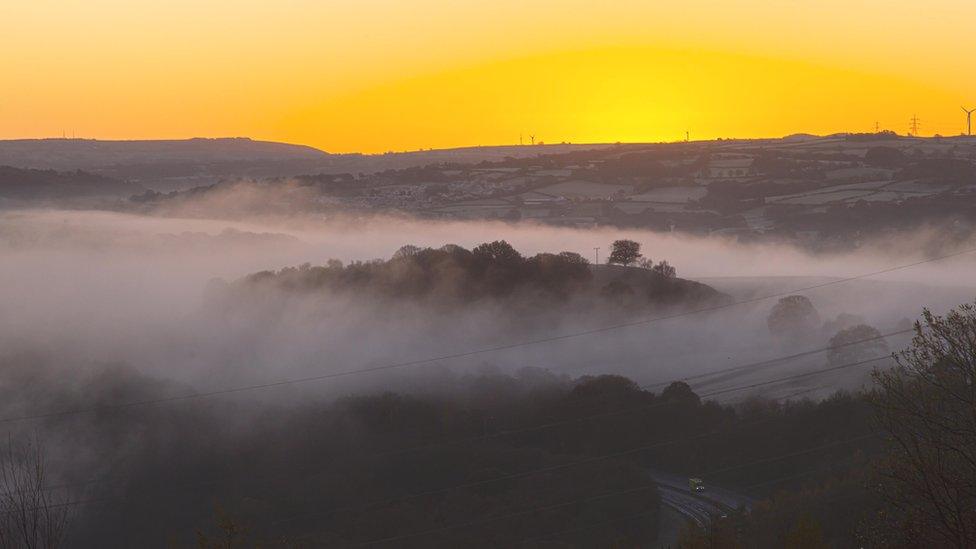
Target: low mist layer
{"x": 101, "y": 310}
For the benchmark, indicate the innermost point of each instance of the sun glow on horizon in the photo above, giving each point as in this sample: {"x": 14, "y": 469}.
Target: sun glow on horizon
{"x": 610, "y": 95}
{"x": 380, "y": 75}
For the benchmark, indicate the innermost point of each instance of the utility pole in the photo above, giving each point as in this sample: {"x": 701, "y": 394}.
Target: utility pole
{"x": 687, "y": 136}
{"x": 597, "y": 250}
{"x": 969, "y": 120}
{"x": 877, "y": 128}
{"x": 914, "y": 126}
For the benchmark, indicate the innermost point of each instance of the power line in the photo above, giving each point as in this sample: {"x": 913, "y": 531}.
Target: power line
{"x": 777, "y": 360}
{"x": 780, "y": 480}
{"x": 286, "y": 382}
{"x": 791, "y": 454}
{"x": 797, "y": 376}
{"x": 463, "y": 354}
{"x": 644, "y": 408}
{"x": 595, "y": 416}
{"x": 576, "y": 420}
{"x": 472, "y": 484}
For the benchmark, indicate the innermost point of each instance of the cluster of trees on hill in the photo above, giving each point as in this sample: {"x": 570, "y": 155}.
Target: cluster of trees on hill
{"x": 490, "y": 270}
{"x": 493, "y": 270}
{"x": 628, "y": 252}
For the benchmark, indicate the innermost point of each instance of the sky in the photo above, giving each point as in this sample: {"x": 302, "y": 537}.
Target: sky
{"x": 392, "y": 75}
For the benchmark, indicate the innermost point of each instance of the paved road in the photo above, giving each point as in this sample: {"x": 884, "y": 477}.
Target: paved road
{"x": 717, "y": 497}
{"x": 699, "y": 507}
{"x": 690, "y": 507}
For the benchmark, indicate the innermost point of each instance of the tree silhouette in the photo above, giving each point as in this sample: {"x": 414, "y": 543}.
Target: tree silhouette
{"x": 498, "y": 252}
{"x": 665, "y": 269}
{"x": 793, "y": 317}
{"x": 624, "y": 252}
{"x": 926, "y": 406}
{"x": 31, "y": 514}
{"x": 843, "y": 350}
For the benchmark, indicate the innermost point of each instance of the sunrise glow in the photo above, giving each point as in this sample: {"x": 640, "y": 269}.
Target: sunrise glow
{"x": 381, "y": 75}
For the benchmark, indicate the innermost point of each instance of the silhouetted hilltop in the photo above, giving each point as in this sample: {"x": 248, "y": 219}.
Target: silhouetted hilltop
{"x": 91, "y": 153}
{"x": 167, "y": 164}
{"x": 494, "y": 271}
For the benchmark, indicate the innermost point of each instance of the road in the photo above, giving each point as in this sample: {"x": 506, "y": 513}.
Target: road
{"x": 699, "y": 507}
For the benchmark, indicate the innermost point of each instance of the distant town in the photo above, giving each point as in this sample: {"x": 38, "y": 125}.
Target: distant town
{"x": 820, "y": 191}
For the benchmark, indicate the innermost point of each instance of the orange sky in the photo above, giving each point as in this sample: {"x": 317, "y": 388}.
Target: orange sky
{"x": 377, "y": 75}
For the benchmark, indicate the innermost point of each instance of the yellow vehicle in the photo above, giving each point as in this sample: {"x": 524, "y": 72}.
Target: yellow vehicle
{"x": 696, "y": 485}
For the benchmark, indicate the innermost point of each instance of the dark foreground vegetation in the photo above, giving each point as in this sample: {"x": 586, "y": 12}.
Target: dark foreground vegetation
{"x": 486, "y": 460}
{"x": 113, "y": 458}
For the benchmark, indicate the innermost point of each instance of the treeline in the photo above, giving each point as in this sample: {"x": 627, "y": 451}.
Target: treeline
{"x": 481, "y": 461}
{"x": 28, "y": 184}
{"x": 424, "y": 470}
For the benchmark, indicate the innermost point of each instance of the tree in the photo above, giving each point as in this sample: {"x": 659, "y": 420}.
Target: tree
{"x": 885, "y": 157}
{"x": 451, "y": 248}
{"x": 926, "y": 407}
{"x": 624, "y": 252}
{"x": 665, "y": 269}
{"x": 574, "y": 258}
{"x": 679, "y": 391}
{"x": 844, "y": 349}
{"x": 407, "y": 251}
{"x": 31, "y": 513}
{"x": 793, "y": 317}
{"x": 498, "y": 252}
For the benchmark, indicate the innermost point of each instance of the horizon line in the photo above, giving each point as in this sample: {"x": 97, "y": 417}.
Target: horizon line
{"x": 490, "y": 146}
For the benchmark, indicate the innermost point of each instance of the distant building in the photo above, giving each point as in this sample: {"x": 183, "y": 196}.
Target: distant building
{"x": 727, "y": 168}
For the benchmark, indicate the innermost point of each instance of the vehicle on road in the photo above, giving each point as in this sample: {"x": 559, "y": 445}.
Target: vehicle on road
{"x": 696, "y": 485}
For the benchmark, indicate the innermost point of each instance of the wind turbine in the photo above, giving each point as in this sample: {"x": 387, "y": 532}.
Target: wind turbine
{"x": 969, "y": 120}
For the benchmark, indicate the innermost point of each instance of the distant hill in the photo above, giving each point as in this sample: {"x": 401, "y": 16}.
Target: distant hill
{"x": 91, "y": 153}
{"x": 167, "y": 165}
{"x": 31, "y": 185}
